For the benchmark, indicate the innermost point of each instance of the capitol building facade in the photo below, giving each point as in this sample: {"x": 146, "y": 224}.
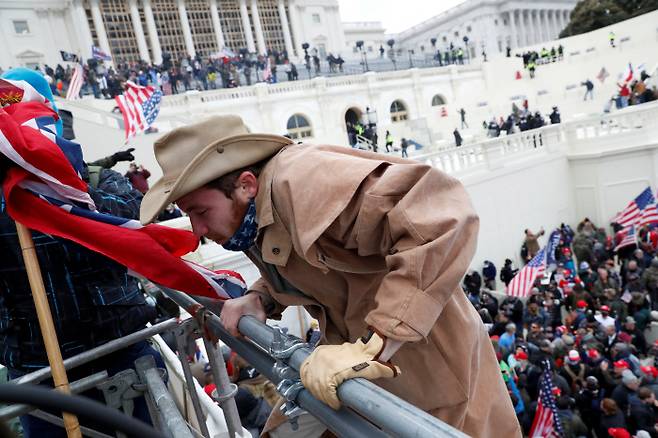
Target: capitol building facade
{"x": 34, "y": 31}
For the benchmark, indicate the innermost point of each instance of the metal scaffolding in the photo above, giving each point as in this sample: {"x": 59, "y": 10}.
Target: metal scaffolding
{"x": 368, "y": 410}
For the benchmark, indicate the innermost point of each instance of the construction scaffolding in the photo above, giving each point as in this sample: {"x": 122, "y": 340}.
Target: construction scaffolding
{"x": 368, "y": 411}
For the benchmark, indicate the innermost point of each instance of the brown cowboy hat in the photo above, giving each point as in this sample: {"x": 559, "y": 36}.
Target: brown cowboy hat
{"x": 194, "y": 155}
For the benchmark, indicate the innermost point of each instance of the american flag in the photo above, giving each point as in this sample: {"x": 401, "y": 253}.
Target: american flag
{"x": 522, "y": 282}
{"x": 546, "y": 423}
{"x": 77, "y": 79}
{"x": 629, "y": 239}
{"x": 632, "y": 214}
{"x": 45, "y": 192}
{"x": 139, "y": 106}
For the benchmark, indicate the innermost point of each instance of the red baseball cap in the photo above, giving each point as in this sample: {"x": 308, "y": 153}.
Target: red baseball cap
{"x": 521, "y": 355}
{"x": 581, "y": 304}
{"x": 593, "y": 353}
{"x": 605, "y": 309}
{"x": 618, "y": 432}
{"x": 648, "y": 370}
{"x": 620, "y": 364}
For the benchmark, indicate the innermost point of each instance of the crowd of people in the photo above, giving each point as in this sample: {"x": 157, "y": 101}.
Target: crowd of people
{"x": 519, "y": 120}
{"x": 593, "y": 319}
{"x": 532, "y": 58}
{"x": 227, "y": 70}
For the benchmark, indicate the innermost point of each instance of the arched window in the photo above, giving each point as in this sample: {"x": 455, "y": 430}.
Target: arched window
{"x": 438, "y": 100}
{"x": 398, "y": 111}
{"x": 299, "y": 127}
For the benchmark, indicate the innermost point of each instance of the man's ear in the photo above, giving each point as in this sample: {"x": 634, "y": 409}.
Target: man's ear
{"x": 248, "y": 182}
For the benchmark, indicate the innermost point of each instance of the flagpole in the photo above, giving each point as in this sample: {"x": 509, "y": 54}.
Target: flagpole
{"x": 46, "y": 323}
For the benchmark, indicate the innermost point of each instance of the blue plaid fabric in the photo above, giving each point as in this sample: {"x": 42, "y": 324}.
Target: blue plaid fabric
{"x": 91, "y": 297}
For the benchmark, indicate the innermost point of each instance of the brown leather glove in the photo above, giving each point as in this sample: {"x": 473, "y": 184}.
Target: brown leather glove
{"x": 329, "y": 365}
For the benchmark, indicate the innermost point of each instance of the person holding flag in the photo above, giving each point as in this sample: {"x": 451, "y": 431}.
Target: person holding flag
{"x": 86, "y": 241}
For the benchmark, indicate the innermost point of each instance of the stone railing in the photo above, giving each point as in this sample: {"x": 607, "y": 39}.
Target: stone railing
{"x": 192, "y": 98}
{"x": 635, "y": 126}
{"x": 494, "y": 153}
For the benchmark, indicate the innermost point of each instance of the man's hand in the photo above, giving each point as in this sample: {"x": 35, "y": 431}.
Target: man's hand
{"x": 124, "y": 155}
{"x": 330, "y": 365}
{"x": 235, "y": 308}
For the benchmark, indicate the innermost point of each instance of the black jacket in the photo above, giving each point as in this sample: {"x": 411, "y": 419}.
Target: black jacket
{"x": 92, "y": 298}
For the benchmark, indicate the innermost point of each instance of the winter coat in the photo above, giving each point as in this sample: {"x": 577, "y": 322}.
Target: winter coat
{"x": 362, "y": 248}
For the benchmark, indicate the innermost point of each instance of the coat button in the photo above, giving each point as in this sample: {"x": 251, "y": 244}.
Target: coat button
{"x": 276, "y": 251}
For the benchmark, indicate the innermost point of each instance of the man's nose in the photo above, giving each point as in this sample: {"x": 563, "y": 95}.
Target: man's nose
{"x": 199, "y": 228}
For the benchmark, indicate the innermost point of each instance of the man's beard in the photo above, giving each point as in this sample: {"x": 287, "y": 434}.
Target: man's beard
{"x": 239, "y": 212}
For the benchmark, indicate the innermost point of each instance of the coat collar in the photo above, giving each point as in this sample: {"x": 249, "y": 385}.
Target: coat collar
{"x": 273, "y": 238}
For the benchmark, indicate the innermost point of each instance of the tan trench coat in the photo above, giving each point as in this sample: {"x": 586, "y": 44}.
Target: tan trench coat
{"x": 385, "y": 242}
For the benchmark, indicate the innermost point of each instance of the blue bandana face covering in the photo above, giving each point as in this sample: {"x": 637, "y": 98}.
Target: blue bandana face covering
{"x": 245, "y": 236}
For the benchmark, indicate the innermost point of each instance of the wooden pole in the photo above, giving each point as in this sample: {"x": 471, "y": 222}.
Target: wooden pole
{"x": 46, "y": 324}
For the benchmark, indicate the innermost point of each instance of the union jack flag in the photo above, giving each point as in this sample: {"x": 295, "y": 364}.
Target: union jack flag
{"x": 633, "y": 213}
{"x": 140, "y": 106}
{"x": 521, "y": 284}
{"x": 546, "y": 423}
{"x": 45, "y": 192}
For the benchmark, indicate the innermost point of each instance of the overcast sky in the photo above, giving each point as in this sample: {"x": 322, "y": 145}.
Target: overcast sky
{"x": 396, "y": 15}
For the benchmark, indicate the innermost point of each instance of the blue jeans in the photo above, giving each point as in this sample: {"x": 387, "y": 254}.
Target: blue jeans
{"x": 123, "y": 359}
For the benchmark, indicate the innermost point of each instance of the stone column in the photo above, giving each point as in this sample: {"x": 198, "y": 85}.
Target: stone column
{"x": 556, "y": 24}
{"x": 566, "y": 15}
{"x": 296, "y": 27}
{"x": 246, "y": 25}
{"x": 217, "y": 25}
{"x": 514, "y": 42}
{"x": 543, "y": 20}
{"x": 260, "y": 38}
{"x": 82, "y": 29}
{"x": 523, "y": 31}
{"x": 536, "y": 35}
{"x": 100, "y": 27}
{"x": 139, "y": 31}
{"x": 286, "y": 28}
{"x": 185, "y": 25}
{"x": 156, "y": 50}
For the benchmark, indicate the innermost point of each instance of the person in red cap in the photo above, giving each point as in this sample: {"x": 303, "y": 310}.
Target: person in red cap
{"x": 604, "y": 317}
{"x": 580, "y": 317}
{"x": 574, "y": 371}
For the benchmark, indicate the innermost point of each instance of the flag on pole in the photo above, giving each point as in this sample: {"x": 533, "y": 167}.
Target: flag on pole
{"x": 140, "y": 106}
{"x": 97, "y": 53}
{"x": 632, "y": 214}
{"x": 546, "y": 423}
{"x": 551, "y": 247}
{"x": 68, "y": 57}
{"x": 628, "y": 74}
{"x": 629, "y": 239}
{"x": 45, "y": 192}
{"x": 649, "y": 215}
{"x": 521, "y": 284}
{"x": 77, "y": 79}
{"x": 267, "y": 73}
{"x": 603, "y": 74}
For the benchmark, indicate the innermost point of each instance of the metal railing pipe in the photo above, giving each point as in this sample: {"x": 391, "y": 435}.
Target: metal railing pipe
{"x": 169, "y": 414}
{"x": 82, "y": 385}
{"x": 344, "y": 422}
{"x": 100, "y": 351}
{"x": 389, "y": 412}
{"x": 386, "y": 410}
